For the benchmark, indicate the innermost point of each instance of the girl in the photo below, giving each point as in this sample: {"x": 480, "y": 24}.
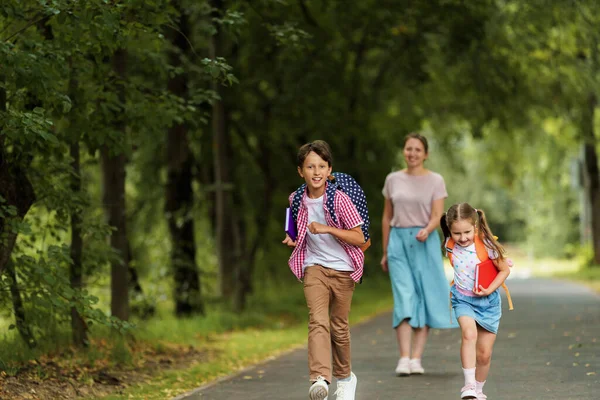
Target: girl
{"x": 478, "y": 309}
{"x": 327, "y": 257}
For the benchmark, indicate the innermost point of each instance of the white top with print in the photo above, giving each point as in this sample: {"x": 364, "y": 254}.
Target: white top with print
{"x": 464, "y": 260}
{"x": 323, "y": 249}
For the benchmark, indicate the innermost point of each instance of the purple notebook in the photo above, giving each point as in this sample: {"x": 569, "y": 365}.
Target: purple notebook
{"x": 290, "y": 225}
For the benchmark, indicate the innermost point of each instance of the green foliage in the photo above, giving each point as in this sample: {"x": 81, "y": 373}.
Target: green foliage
{"x": 498, "y": 87}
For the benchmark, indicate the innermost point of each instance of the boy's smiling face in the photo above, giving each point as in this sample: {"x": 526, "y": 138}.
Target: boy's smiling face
{"x": 315, "y": 171}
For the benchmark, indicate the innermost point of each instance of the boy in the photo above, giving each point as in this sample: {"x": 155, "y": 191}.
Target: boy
{"x": 328, "y": 257}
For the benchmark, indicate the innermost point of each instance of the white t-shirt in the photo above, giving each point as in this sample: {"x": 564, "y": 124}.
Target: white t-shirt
{"x": 464, "y": 260}
{"x": 323, "y": 249}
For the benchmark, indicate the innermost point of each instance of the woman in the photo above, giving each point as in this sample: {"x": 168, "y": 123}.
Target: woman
{"x": 414, "y": 203}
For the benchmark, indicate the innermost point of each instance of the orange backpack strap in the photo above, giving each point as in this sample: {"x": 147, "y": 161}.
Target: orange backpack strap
{"x": 449, "y": 247}
{"x": 480, "y": 249}
{"x": 510, "y": 303}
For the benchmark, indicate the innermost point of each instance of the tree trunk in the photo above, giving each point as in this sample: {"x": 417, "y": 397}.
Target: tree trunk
{"x": 19, "y": 310}
{"x": 591, "y": 174}
{"x": 113, "y": 166}
{"x": 15, "y": 190}
{"x": 179, "y": 194}
{"x": 223, "y": 195}
{"x": 78, "y": 325}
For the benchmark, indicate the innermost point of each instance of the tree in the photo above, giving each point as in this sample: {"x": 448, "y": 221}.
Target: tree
{"x": 179, "y": 201}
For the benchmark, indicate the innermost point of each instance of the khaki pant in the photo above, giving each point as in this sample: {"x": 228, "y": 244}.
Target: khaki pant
{"x": 328, "y": 295}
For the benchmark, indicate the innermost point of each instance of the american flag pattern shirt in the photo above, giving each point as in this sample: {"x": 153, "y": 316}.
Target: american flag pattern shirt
{"x": 348, "y": 217}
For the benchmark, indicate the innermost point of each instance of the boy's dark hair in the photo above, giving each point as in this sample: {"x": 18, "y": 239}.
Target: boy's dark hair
{"x": 418, "y": 136}
{"x": 318, "y": 146}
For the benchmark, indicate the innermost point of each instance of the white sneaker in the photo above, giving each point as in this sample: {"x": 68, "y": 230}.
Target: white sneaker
{"x": 346, "y": 390}
{"x": 319, "y": 390}
{"x": 468, "y": 392}
{"x": 415, "y": 366}
{"x": 403, "y": 367}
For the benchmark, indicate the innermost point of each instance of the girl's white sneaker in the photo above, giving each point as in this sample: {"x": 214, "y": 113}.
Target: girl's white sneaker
{"x": 403, "y": 367}
{"x": 415, "y": 367}
{"x": 468, "y": 392}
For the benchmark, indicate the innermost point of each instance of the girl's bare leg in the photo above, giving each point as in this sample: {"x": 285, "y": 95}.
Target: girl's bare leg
{"x": 485, "y": 345}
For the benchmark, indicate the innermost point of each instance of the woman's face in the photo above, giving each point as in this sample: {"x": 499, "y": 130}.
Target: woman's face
{"x": 414, "y": 153}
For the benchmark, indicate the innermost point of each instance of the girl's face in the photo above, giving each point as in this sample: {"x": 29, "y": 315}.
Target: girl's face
{"x": 414, "y": 153}
{"x": 463, "y": 232}
{"x": 315, "y": 171}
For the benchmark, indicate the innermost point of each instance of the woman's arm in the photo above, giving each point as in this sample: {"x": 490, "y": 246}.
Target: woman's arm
{"x": 388, "y": 212}
{"x": 437, "y": 209}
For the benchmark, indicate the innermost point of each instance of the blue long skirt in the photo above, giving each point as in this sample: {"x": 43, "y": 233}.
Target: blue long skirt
{"x": 420, "y": 288}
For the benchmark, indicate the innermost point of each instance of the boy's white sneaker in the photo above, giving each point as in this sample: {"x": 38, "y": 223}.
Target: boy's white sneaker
{"x": 415, "y": 367}
{"x": 319, "y": 389}
{"x": 346, "y": 390}
{"x": 481, "y": 396}
{"x": 403, "y": 367}
{"x": 468, "y": 392}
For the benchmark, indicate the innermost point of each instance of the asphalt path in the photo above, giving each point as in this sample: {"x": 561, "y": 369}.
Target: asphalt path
{"x": 547, "y": 348}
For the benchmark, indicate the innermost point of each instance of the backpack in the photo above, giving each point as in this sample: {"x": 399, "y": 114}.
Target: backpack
{"x": 482, "y": 255}
{"x": 348, "y": 185}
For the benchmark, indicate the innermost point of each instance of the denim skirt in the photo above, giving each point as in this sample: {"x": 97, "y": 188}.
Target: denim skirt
{"x": 486, "y": 311}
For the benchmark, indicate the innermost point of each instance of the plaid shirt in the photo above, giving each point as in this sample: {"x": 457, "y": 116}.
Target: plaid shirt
{"x": 347, "y": 218}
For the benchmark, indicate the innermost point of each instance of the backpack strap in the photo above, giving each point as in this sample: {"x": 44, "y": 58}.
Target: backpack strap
{"x": 332, "y": 186}
{"x": 510, "y": 303}
{"x": 297, "y": 200}
{"x": 449, "y": 246}
{"x": 480, "y": 249}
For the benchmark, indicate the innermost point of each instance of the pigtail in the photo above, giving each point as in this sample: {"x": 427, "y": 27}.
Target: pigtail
{"x": 444, "y": 226}
{"x": 445, "y": 230}
{"x": 486, "y": 235}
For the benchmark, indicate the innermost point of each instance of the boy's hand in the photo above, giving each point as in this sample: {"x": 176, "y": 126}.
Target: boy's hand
{"x": 482, "y": 291}
{"x": 316, "y": 228}
{"x": 288, "y": 241}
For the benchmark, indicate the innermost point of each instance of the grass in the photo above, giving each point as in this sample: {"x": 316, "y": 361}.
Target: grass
{"x": 257, "y": 337}
{"x": 588, "y": 276}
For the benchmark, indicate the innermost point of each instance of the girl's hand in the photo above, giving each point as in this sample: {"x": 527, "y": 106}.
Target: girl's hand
{"x": 316, "y": 228}
{"x": 422, "y": 235}
{"x": 384, "y": 263}
{"x": 483, "y": 292}
{"x": 288, "y": 241}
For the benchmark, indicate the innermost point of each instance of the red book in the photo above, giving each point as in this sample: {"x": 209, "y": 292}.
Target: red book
{"x": 485, "y": 273}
